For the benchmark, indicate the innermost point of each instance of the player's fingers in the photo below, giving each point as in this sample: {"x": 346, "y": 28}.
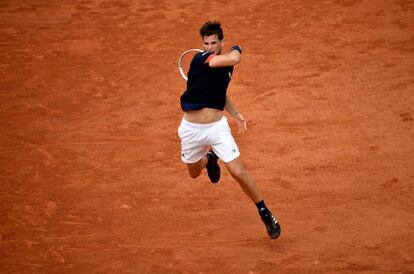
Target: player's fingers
{"x": 242, "y": 128}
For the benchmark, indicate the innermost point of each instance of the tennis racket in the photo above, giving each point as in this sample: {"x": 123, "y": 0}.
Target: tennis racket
{"x": 185, "y": 60}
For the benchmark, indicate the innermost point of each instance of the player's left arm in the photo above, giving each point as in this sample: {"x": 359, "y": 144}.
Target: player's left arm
{"x": 241, "y": 122}
{"x": 229, "y": 59}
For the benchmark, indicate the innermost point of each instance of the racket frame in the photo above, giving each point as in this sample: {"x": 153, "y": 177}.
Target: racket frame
{"x": 180, "y": 68}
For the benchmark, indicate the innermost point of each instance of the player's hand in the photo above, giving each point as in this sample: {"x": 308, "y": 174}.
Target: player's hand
{"x": 241, "y": 123}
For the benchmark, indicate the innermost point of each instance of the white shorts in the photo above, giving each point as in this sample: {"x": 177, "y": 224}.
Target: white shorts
{"x": 196, "y": 140}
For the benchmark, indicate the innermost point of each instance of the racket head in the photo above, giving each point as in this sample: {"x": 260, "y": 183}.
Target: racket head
{"x": 185, "y": 60}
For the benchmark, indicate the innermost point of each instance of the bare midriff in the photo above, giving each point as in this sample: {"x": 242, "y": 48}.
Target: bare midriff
{"x": 203, "y": 116}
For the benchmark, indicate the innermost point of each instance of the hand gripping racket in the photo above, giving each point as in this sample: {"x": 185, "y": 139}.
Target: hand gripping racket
{"x": 185, "y": 61}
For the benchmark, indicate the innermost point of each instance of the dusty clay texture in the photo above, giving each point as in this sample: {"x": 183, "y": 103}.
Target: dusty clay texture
{"x": 90, "y": 169}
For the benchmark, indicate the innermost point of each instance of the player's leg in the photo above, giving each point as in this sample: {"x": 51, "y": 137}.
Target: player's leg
{"x": 208, "y": 161}
{"x": 226, "y": 148}
{"x": 195, "y": 169}
{"x": 249, "y": 187}
{"x": 245, "y": 181}
{"x": 224, "y": 145}
{"x": 195, "y": 150}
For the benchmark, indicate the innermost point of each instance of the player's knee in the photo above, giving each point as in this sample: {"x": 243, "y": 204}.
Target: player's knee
{"x": 238, "y": 173}
{"x": 194, "y": 173}
{"x": 194, "y": 176}
{"x": 194, "y": 170}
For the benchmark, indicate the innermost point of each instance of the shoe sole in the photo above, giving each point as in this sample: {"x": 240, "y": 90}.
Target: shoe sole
{"x": 269, "y": 225}
{"x": 275, "y": 235}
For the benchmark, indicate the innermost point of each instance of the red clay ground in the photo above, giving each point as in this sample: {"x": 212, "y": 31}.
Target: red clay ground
{"x": 91, "y": 178}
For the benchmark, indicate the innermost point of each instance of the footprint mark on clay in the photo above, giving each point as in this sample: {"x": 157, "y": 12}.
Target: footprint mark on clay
{"x": 286, "y": 185}
{"x": 321, "y": 228}
{"x": 406, "y": 117}
{"x": 372, "y": 246}
{"x": 391, "y": 183}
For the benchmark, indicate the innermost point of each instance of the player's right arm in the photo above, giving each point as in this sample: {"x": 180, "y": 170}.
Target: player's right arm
{"x": 229, "y": 59}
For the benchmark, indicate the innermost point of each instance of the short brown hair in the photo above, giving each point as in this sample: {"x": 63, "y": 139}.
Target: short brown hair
{"x": 210, "y": 28}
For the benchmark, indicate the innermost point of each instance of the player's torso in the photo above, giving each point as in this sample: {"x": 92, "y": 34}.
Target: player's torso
{"x": 206, "y": 87}
{"x": 203, "y": 116}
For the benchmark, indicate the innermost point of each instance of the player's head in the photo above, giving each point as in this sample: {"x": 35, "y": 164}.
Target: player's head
{"x": 211, "y": 28}
{"x": 212, "y": 36}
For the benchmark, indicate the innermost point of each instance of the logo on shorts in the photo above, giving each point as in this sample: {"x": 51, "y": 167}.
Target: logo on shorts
{"x": 234, "y": 150}
{"x": 183, "y": 155}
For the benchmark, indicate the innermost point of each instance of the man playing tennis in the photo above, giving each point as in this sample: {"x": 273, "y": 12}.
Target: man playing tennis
{"x": 204, "y": 131}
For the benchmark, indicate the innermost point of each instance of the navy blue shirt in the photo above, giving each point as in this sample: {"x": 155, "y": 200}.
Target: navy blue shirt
{"x": 206, "y": 86}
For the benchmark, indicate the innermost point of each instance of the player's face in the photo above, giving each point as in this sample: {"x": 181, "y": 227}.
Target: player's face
{"x": 212, "y": 44}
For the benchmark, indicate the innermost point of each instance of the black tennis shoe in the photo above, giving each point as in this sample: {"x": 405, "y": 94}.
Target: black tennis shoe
{"x": 272, "y": 227}
{"x": 213, "y": 169}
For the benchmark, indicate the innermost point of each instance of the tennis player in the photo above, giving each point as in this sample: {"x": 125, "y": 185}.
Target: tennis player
{"x": 204, "y": 131}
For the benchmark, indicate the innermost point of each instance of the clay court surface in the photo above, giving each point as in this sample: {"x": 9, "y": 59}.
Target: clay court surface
{"x": 90, "y": 170}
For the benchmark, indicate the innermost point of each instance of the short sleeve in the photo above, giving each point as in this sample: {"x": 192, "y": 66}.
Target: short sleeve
{"x": 203, "y": 58}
